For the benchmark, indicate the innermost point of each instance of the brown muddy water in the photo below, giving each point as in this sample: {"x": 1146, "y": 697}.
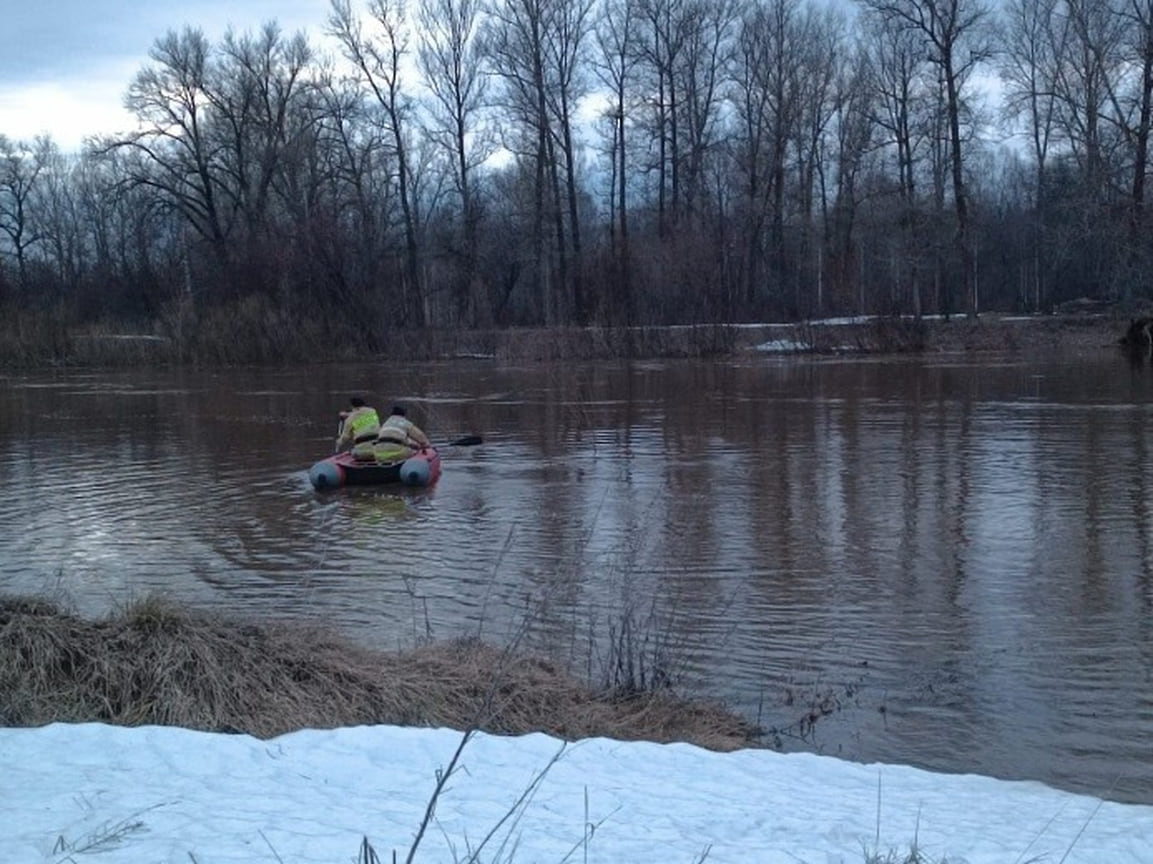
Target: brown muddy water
{"x": 947, "y": 561}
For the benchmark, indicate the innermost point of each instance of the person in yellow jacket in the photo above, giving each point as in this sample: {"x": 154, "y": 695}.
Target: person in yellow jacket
{"x": 398, "y": 437}
{"x": 359, "y": 427}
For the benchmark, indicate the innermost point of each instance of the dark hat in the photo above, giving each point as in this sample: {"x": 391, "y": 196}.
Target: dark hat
{"x": 398, "y": 410}
{"x": 356, "y": 402}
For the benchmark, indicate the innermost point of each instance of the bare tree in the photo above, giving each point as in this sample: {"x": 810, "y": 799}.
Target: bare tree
{"x": 516, "y": 41}
{"x": 1033, "y": 43}
{"x": 897, "y": 71}
{"x": 260, "y": 96}
{"x": 451, "y": 60}
{"x": 565, "y": 52}
{"x": 856, "y": 137}
{"x": 765, "y": 95}
{"x": 57, "y": 215}
{"x": 135, "y": 241}
{"x": 1091, "y": 54}
{"x": 379, "y": 59}
{"x": 1134, "y": 110}
{"x": 823, "y": 49}
{"x": 1090, "y": 37}
{"x": 180, "y": 158}
{"x": 538, "y": 50}
{"x": 347, "y": 203}
{"x": 259, "y": 91}
{"x": 955, "y": 36}
{"x": 216, "y": 127}
{"x": 614, "y": 63}
{"x": 701, "y": 70}
{"x": 21, "y": 168}
{"x": 662, "y": 26}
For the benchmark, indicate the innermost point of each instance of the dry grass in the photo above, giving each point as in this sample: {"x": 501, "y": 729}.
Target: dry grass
{"x": 156, "y": 664}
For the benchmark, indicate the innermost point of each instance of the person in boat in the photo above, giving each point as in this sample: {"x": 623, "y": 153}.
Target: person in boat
{"x": 359, "y": 426}
{"x": 398, "y": 437}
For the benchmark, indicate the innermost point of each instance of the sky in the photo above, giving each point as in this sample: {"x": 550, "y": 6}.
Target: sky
{"x": 113, "y": 795}
{"x": 65, "y": 65}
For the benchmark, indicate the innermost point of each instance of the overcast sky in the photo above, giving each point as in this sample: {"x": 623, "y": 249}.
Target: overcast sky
{"x": 66, "y": 64}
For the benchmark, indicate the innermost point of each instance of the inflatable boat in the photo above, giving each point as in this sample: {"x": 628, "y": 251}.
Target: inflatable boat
{"x": 420, "y": 469}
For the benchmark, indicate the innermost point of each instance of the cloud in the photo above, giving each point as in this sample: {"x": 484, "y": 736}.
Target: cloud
{"x": 67, "y": 109}
{"x": 65, "y": 65}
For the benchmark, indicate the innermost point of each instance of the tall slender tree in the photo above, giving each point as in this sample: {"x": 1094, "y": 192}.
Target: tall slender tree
{"x": 702, "y": 71}
{"x": 956, "y": 38}
{"x": 1033, "y": 42}
{"x": 1090, "y": 37}
{"x": 614, "y": 62}
{"x": 856, "y": 138}
{"x": 380, "y": 59}
{"x": 1135, "y": 111}
{"x": 566, "y": 56}
{"x": 766, "y": 102}
{"x": 662, "y": 26}
{"x": 452, "y": 64}
{"x": 516, "y": 39}
{"x": 823, "y": 46}
{"x": 898, "y": 67}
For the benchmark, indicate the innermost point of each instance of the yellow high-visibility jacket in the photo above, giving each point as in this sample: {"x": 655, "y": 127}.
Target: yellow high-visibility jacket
{"x": 359, "y": 425}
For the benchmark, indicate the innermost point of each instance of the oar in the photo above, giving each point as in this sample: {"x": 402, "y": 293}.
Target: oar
{"x": 466, "y": 441}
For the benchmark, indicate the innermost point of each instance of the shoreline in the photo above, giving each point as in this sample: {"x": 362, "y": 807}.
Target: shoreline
{"x": 1080, "y": 333}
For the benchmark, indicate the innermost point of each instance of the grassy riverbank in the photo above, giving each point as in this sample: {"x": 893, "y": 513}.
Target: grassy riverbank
{"x": 156, "y": 664}
{"x": 31, "y": 340}
{"x": 96, "y": 789}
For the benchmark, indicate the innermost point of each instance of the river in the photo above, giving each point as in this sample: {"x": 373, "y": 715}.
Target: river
{"x": 943, "y": 561}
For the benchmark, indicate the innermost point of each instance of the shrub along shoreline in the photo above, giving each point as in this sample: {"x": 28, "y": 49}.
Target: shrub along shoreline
{"x": 30, "y": 340}
{"x": 156, "y": 664}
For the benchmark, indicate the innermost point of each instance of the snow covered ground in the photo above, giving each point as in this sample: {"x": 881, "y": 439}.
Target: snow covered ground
{"x": 104, "y": 794}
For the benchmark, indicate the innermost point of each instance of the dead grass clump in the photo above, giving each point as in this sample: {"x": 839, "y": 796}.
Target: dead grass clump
{"x": 518, "y": 693}
{"x": 156, "y": 664}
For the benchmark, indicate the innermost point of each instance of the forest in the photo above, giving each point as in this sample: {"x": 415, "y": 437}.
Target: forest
{"x": 437, "y": 165}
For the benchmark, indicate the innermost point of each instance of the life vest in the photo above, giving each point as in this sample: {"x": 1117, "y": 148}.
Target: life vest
{"x": 395, "y": 431}
{"x": 364, "y": 423}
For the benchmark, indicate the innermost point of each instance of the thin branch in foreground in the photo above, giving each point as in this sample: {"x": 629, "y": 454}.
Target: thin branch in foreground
{"x": 103, "y": 838}
{"x": 367, "y": 854}
{"x": 271, "y": 848}
{"x": 518, "y": 808}
{"x": 590, "y": 829}
{"x": 1084, "y": 826}
{"x": 441, "y": 779}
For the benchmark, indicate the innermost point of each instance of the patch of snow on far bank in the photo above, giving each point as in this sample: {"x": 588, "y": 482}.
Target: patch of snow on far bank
{"x": 781, "y": 346}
